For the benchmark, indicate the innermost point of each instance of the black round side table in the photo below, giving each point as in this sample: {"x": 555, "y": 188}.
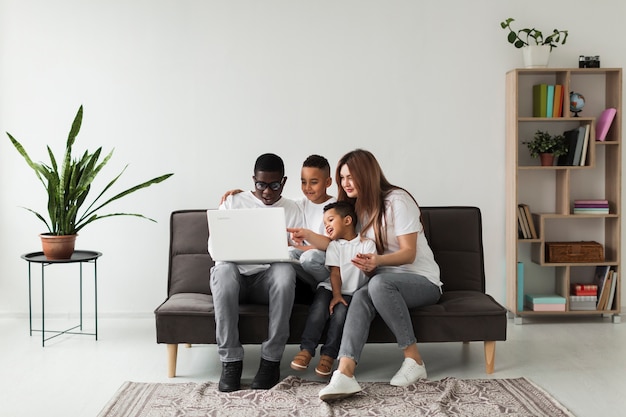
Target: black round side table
{"x": 79, "y": 256}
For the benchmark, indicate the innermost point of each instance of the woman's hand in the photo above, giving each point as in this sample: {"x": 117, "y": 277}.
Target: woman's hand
{"x": 366, "y": 262}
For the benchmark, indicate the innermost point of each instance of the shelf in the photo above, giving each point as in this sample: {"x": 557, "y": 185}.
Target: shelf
{"x": 552, "y": 168}
{"x": 565, "y": 313}
{"x": 555, "y": 119}
{"x": 550, "y": 191}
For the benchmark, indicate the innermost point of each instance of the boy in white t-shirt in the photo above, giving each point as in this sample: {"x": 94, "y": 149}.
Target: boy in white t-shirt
{"x": 315, "y": 180}
{"x": 330, "y": 303}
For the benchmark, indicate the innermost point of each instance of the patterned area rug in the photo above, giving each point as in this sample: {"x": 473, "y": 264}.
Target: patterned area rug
{"x": 296, "y": 397}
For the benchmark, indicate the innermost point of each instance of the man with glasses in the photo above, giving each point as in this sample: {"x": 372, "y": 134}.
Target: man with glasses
{"x": 272, "y": 284}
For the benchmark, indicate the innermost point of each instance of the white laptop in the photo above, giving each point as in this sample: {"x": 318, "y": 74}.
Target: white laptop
{"x": 248, "y": 236}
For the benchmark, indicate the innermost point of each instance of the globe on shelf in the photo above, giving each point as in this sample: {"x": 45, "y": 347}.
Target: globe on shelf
{"x": 576, "y": 103}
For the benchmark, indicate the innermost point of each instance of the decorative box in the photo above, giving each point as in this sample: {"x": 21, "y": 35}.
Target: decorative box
{"x": 573, "y": 252}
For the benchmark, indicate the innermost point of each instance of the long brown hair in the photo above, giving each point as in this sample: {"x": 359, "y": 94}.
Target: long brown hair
{"x": 372, "y": 187}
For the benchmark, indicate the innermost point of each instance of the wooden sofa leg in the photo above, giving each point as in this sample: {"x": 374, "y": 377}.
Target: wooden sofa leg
{"x": 172, "y": 353}
{"x": 490, "y": 355}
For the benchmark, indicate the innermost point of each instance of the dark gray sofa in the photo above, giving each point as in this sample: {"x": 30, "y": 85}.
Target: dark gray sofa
{"x": 464, "y": 313}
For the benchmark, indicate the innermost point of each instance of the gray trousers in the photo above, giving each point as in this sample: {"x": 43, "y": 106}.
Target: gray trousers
{"x": 391, "y": 295}
{"x": 312, "y": 268}
{"x": 274, "y": 287}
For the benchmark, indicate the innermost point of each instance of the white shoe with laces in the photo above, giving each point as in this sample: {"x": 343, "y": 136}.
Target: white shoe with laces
{"x": 409, "y": 373}
{"x": 340, "y": 386}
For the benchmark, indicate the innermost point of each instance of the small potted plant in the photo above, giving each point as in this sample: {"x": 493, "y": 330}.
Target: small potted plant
{"x": 68, "y": 181}
{"x": 535, "y": 46}
{"x": 546, "y": 147}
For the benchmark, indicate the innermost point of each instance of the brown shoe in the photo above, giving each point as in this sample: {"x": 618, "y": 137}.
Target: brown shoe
{"x": 301, "y": 361}
{"x": 325, "y": 366}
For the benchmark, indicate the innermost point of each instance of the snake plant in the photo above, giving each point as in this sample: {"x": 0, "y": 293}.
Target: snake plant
{"x": 69, "y": 184}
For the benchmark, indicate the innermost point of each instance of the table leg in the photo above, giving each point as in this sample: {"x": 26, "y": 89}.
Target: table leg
{"x": 95, "y": 285}
{"x": 81, "y": 296}
{"x": 43, "y": 309}
{"x": 30, "y": 303}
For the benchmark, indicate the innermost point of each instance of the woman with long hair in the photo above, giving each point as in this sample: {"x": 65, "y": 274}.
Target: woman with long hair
{"x": 403, "y": 271}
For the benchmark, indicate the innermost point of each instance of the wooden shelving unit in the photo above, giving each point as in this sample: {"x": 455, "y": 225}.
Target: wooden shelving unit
{"x": 550, "y": 191}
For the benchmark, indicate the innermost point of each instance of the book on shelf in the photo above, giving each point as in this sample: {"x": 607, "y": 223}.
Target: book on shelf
{"x": 603, "y": 298}
{"x": 595, "y": 202}
{"x": 579, "y": 145}
{"x": 540, "y": 100}
{"x": 600, "y": 278}
{"x": 524, "y": 222}
{"x": 558, "y": 101}
{"x": 529, "y": 219}
{"x": 609, "y": 304}
{"x": 591, "y": 205}
{"x": 549, "y": 100}
{"x": 520, "y": 225}
{"x": 591, "y": 211}
{"x": 520, "y": 286}
{"x": 604, "y": 123}
{"x": 571, "y": 137}
{"x": 583, "y": 153}
{"x": 600, "y": 274}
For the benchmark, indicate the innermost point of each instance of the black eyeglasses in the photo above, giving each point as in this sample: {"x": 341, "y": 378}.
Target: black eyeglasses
{"x": 274, "y": 186}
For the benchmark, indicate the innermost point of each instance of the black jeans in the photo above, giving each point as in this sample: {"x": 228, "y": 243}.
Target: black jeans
{"x": 319, "y": 316}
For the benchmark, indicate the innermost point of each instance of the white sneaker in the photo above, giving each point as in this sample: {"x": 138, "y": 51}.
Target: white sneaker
{"x": 340, "y": 386}
{"x": 409, "y": 373}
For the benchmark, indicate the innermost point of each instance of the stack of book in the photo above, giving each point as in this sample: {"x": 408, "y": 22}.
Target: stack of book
{"x": 525, "y": 224}
{"x": 606, "y": 280}
{"x": 591, "y": 207}
{"x": 583, "y": 297}
{"x": 577, "y": 141}
{"x": 544, "y": 302}
{"x": 548, "y": 100}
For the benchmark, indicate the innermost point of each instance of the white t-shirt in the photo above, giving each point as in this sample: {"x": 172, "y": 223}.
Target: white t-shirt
{"x": 314, "y": 214}
{"x": 340, "y": 253}
{"x": 246, "y": 199}
{"x": 402, "y": 217}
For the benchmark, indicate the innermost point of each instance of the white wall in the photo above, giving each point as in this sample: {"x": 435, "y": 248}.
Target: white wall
{"x": 201, "y": 88}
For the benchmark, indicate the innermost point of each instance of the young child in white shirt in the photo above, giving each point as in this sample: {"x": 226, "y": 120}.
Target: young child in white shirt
{"x": 330, "y": 303}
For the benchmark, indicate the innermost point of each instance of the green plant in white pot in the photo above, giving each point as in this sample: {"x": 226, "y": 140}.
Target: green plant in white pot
{"x": 535, "y": 46}
{"x": 68, "y": 182}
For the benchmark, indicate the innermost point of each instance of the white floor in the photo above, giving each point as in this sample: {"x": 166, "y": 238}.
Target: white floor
{"x": 581, "y": 362}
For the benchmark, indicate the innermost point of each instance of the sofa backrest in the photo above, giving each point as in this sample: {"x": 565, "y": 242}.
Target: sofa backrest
{"x": 190, "y": 262}
{"x": 454, "y": 234}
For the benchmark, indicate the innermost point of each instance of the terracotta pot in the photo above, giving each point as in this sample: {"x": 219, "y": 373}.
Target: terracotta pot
{"x": 57, "y": 247}
{"x": 547, "y": 159}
